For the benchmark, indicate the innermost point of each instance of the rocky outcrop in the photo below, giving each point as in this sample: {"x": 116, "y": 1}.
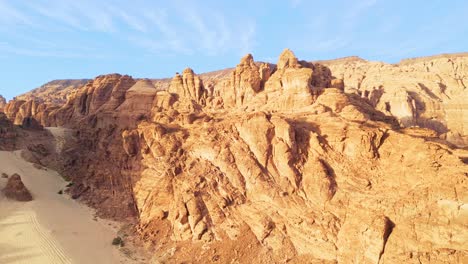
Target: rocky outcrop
{"x": 298, "y": 183}
{"x": 188, "y": 87}
{"x": 28, "y": 114}
{"x": 16, "y": 190}
{"x": 246, "y": 81}
{"x": 8, "y": 133}
{"x": 267, "y": 164}
{"x": 54, "y": 92}
{"x": 291, "y": 84}
{"x": 139, "y": 99}
{"x": 106, "y": 92}
{"x": 2, "y": 103}
{"x": 427, "y": 92}
{"x": 260, "y": 86}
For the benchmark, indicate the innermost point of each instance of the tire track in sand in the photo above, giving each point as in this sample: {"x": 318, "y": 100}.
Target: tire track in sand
{"x": 48, "y": 244}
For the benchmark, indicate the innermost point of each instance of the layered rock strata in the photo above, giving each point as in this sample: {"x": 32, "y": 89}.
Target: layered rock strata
{"x": 278, "y": 163}
{"x": 427, "y": 92}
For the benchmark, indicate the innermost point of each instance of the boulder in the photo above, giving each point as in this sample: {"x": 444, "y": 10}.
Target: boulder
{"x": 16, "y": 190}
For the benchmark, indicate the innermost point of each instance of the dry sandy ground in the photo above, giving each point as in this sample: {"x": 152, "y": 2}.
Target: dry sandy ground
{"x": 52, "y": 228}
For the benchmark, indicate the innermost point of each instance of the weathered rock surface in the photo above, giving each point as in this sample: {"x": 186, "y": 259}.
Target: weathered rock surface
{"x": 427, "y": 92}
{"x": 54, "y": 92}
{"x": 271, "y": 164}
{"x": 244, "y": 83}
{"x": 8, "y": 133}
{"x": 16, "y": 190}
{"x": 2, "y": 103}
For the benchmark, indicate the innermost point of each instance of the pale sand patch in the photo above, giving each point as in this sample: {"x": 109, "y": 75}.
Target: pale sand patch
{"x": 52, "y": 228}
{"x": 24, "y": 240}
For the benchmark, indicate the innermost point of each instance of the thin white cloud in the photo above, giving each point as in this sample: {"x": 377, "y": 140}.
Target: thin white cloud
{"x": 207, "y": 36}
{"x": 295, "y": 3}
{"x": 10, "y": 15}
{"x": 357, "y": 9}
{"x": 159, "y": 46}
{"x": 247, "y": 39}
{"x": 169, "y": 38}
{"x": 316, "y": 45}
{"x": 214, "y": 32}
{"x": 58, "y": 12}
{"x": 179, "y": 28}
{"x": 12, "y": 49}
{"x": 133, "y": 21}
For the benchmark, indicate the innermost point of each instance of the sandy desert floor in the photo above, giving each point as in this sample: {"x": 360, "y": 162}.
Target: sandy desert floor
{"x": 52, "y": 228}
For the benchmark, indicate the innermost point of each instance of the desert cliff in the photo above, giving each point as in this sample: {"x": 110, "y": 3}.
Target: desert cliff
{"x": 344, "y": 161}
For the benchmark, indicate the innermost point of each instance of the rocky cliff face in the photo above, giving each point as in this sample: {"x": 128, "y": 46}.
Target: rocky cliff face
{"x": 2, "y": 103}
{"x": 270, "y": 163}
{"x": 427, "y": 92}
{"x": 8, "y": 133}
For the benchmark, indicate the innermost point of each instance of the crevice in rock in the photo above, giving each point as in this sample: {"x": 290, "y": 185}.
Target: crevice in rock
{"x": 389, "y": 225}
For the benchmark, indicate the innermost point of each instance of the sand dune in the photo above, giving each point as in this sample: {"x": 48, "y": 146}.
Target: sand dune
{"x": 52, "y": 228}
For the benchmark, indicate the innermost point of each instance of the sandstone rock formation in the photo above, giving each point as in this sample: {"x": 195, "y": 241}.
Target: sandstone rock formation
{"x": 245, "y": 82}
{"x": 8, "y": 133}
{"x": 16, "y": 190}
{"x": 54, "y": 92}
{"x": 139, "y": 99}
{"x": 2, "y": 103}
{"x": 427, "y": 92}
{"x": 273, "y": 163}
{"x": 292, "y": 84}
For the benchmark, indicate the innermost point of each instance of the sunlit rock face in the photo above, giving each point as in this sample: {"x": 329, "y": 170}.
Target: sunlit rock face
{"x": 327, "y": 162}
{"x": 3, "y": 102}
{"x": 427, "y": 92}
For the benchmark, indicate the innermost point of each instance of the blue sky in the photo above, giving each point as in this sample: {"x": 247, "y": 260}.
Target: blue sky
{"x": 42, "y": 40}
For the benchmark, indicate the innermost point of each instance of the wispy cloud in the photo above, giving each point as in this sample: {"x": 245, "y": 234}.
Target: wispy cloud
{"x": 295, "y": 3}
{"x": 247, "y": 39}
{"x": 356, "y": 11}
{"x": 178, "y": 28}
{"x": 12, "y": 49}
{"x": 58, "y": 13}
{"x": 10, "y": 15}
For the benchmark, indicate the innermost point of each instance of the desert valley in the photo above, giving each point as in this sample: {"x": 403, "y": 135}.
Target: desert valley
{"x": 338, "y": 161}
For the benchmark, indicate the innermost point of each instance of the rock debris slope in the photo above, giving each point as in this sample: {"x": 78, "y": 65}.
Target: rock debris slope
{"x": 298, "y": 161}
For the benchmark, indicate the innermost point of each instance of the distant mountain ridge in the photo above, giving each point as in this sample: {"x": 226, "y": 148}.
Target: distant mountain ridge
{"x": 53, "y": 92}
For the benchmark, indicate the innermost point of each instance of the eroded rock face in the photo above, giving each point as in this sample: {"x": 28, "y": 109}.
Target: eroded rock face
{"x": 53, "y": 92}
{"x": 292, "y": 84}
{"x": 2, "y": 103}
{"x": 8, "y": 133}
{"x": 427, "y": 92}
{"x": 16, "y": 190}
{"x": 106, "y": 92}
{"x": 245, "y": 82}
{"x": 298, "y": 182}
{"x": 188, "y": 87}
{"x": 31, "y": 114}
{"x": 276, "y": 163}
